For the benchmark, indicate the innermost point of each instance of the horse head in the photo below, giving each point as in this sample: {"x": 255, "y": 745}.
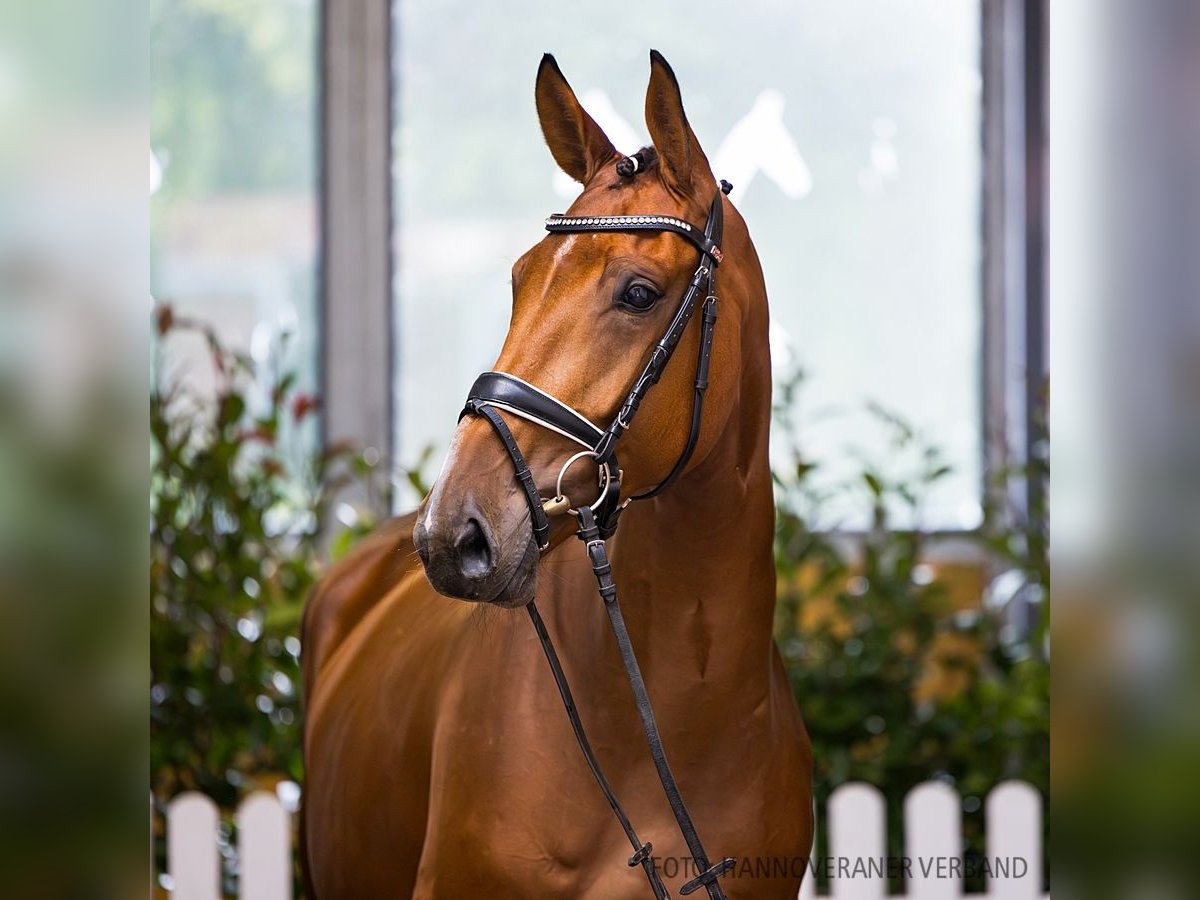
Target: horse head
{"x": 587, "y": 310}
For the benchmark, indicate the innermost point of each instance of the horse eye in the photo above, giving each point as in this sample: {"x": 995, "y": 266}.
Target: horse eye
{"x": 639, "y": 297}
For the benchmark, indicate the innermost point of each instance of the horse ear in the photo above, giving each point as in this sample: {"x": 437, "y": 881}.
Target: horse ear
{"x": 578, "y": 144}
{"x": 681, "y": 160}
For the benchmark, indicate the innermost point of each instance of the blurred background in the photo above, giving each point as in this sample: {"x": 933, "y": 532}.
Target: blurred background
{"x": 339, "y": 192}
{"x": 944, "y": 193}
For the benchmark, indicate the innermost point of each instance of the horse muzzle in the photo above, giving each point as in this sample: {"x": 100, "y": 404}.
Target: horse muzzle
{"x": 470, "y": 555}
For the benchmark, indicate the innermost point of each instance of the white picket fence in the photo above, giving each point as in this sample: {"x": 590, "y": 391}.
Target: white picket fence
{"x": 857, "y": 861}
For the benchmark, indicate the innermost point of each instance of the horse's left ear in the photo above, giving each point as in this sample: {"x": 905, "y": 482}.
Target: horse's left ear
{"x": 684, "y": 166}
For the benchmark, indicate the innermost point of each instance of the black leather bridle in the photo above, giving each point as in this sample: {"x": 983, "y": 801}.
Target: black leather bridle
{"x": 496, "y": 392}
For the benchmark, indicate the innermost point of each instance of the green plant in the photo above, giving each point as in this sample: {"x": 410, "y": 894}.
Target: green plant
{"x": 236, "y": 523}
{"x": 902, "y": 672}
{"x": 241, "y": 526}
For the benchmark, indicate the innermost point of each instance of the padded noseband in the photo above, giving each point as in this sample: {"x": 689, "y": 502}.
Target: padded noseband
{"x": 500, "y": 390}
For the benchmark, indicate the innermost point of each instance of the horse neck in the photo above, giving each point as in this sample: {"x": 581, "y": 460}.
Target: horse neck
{"x": 695, "y": 566}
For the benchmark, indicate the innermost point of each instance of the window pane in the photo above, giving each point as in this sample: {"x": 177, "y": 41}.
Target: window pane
{"x": 234, "y": 217}
{"x": 851, "y": 132}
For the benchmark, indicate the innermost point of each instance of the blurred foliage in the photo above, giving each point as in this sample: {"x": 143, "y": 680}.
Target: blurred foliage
{"x": 908, "y": 669}
{"x": 236, "y": 538}
{"x": 242, "y": 524}
{"x": 72, "y": 602}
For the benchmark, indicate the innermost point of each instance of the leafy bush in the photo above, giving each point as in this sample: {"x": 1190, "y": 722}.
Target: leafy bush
{"x": 235, "y": 548}
{"x": 240, "y": 526}
{"x": 904, "y": 671}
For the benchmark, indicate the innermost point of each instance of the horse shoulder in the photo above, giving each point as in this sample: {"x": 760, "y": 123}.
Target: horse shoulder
{"x": 351, "y": 589}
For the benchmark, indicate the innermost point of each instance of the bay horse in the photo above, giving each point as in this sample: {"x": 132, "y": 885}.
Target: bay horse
{"x": 439, "y": 762}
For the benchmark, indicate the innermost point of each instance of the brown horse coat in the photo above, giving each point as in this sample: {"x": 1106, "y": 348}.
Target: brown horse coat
{"x": 439, "y": 761}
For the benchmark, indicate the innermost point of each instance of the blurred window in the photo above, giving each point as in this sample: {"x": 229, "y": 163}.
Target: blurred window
{"x": 851, "y": 130}
{"x": 234, "y": 211}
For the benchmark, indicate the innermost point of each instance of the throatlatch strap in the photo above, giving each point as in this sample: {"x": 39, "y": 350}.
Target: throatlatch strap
{"x": 602, "y": 569}
{"x": 708, "y": 326}
{"x": 541, "y": 526}
{"x": 641, "y": 852}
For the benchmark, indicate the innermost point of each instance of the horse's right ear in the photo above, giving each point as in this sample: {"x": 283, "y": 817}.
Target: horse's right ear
{"x": 578, "y": 144}
{"x": 683, "y": 164}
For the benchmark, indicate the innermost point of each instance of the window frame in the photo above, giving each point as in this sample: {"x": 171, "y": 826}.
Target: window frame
{"x": 357, "y": 265}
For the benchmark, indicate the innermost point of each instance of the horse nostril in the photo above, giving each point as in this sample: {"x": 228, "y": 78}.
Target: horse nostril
{"x": 474, "y": 550}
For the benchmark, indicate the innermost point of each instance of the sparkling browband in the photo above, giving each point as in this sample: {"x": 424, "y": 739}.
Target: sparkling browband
{"x": 616, "y": 221}
{"x": 561, "y": 223}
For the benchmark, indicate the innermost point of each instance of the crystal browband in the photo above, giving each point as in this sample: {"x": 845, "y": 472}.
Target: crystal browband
{"x": 559, "y": 223}
{"x": 616, "y": 221}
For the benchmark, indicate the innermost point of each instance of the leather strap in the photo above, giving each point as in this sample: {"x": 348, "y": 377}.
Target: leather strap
{"x": 602, "y": 569}
{"x": 710, "y": 256}
{"x": 641, "y": 851}
{"x": 652, "y": 371}
{"x": 530, "y": 402}
{"x": 500, "y": 390}
{"x": 541, "y": 526}
{"x": 705, "y": 243}
{"x": 702, "y": 365}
